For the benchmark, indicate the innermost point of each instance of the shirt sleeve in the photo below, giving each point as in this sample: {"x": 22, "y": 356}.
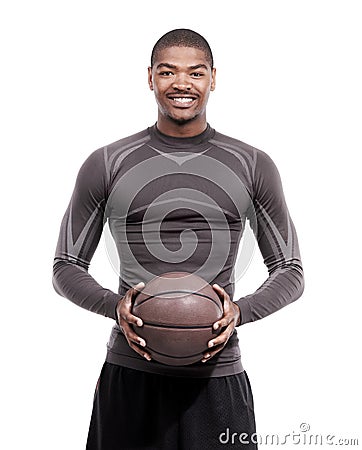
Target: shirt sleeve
{"x": 80, "y": 232}
{"x": 278, "y": 243}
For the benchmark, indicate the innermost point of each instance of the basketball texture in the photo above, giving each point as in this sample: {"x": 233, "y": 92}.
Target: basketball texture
{"x": 178, "y": 310}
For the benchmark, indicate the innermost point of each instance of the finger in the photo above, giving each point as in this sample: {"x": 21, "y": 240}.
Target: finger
{"x": 223, "y": 337}
{"x": 131, "y": 336}
{"x": 129, "y": 299}
{"x": 130, "y": 318}
{"x": 138, "y": 287}
{"x": 141, "y": 352}
{"x": 224, "y": 321}
{"x": 209, "y": 354}
{"x": 219, "y": 290}
{"x": 132, "y": 292}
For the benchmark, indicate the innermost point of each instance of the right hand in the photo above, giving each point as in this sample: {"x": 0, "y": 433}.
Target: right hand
{"x": 126, "y": 319}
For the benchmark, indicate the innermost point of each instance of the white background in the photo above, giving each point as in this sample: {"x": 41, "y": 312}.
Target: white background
{"x": 74, "y": 78}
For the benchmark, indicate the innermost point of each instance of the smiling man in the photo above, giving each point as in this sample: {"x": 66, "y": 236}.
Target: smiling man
{"x": 181, "y": 79}
{"x": 176, "y": 197}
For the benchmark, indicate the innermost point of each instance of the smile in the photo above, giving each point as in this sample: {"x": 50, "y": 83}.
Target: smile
{"x": 182, "y": 101}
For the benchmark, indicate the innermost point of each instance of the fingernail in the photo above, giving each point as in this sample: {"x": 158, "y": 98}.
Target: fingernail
{"x": 215, "y": 284}
{"x": 147, "y": 357}
{"x": 203, "y": 360}
{"x": 216, "y": 326}
{"x": 211, "y": 344}
{"x": 139, "y": 322}
{"x": 142, "y": 342}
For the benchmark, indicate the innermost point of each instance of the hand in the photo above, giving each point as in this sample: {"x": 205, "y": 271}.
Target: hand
{"x": 126, "y": 319}
{"x": 229, "y": 320}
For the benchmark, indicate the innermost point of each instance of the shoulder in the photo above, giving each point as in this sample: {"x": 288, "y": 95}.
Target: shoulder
{"x": 126, "y": 144}
{"x": 256, "y": 159}
{"x": 97, "y": 168}
{"x": 224, "y": 141}
{"x": 106, "y": 156}
{"x": 114, "y": 153}
{"x": 262, "y": 169}
{"x": 129, "y": 142}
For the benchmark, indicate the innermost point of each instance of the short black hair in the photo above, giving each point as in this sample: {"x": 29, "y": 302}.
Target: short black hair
{"x": 182, "y": 37}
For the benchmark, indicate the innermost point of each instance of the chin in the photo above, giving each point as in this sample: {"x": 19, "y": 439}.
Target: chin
{"x": 182, "y": 120}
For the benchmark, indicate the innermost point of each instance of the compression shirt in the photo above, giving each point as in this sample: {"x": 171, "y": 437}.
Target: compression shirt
{"x": 178, "y": 204}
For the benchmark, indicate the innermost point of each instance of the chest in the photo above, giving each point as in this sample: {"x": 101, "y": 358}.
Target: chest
{"x": 163, "y": 188}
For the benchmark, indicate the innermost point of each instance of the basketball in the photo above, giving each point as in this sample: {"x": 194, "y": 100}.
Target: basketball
{"x": 178, "y": 310}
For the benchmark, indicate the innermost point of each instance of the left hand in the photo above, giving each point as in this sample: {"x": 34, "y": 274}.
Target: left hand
{"x": 229, "y": 320}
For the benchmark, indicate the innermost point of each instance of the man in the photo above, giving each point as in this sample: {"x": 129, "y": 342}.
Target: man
{"x": 176, "y": 197}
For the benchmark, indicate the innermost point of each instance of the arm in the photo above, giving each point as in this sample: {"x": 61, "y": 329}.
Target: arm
{"x": 278, "y": 243}
{"x": 277, "y": 240}
{"x": 79, "y": 236}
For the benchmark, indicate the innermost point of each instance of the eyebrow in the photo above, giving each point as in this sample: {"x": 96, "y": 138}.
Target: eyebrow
{"x": 171, "y": 66}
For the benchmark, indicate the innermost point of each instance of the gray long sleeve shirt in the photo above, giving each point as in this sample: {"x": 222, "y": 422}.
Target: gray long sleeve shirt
{"x": 178, "y": 204}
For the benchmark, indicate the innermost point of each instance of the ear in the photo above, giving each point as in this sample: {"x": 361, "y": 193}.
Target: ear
{"x": 150, "y": 82}
{"x": 213, "y": 79}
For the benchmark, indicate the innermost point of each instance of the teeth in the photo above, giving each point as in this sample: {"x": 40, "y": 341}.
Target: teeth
{"x": 182, "y": 100}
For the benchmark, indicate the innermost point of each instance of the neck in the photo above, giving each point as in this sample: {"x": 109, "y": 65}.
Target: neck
{"x": 187, "y": 129}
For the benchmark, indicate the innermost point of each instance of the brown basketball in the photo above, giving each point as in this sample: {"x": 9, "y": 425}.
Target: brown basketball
{"x": 178, "y": 310}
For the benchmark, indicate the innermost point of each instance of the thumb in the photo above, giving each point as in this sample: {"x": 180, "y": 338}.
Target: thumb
{"x": 226, "y": 305}
{"x": 139, "y": 285}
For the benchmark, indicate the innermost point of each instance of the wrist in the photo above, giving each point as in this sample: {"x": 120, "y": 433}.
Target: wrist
{"x": 238, "y": 312}
{"x": 116, "y": 310}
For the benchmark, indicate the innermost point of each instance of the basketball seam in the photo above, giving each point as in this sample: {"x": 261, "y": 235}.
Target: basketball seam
{"x": 179, "y": 290}
{"x": 174, "y": 357}
{"x": 187, "y": 327}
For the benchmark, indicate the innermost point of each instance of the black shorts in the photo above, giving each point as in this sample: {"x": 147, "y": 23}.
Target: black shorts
{"x": 138, "y": 410}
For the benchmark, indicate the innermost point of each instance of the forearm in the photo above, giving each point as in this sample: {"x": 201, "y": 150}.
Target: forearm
{"x": 283, "y": 286}
{"x": 76, "y": 284}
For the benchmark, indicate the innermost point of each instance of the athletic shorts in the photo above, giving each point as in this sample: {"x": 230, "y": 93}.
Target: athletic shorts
{"x": 133, "y": 409}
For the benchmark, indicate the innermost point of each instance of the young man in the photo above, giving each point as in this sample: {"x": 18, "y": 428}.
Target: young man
{"x": 176, "y": 197}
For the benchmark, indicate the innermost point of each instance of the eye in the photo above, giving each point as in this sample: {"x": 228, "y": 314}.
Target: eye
{"x": 166, "y": 73}
{"x": 197, "y": 74}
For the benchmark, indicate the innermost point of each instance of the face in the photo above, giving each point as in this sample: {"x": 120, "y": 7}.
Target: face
{"x": 181, "y": 79}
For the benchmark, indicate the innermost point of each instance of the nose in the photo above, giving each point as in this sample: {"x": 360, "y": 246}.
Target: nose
{"x": 182, "y": 82}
